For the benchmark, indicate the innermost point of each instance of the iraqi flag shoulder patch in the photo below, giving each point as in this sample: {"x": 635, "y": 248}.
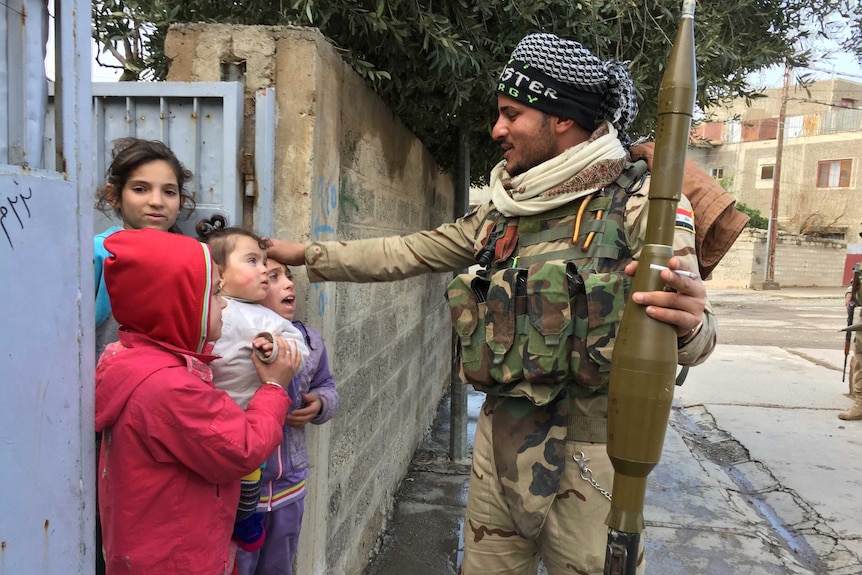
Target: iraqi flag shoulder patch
{"x": 685, "y": 220}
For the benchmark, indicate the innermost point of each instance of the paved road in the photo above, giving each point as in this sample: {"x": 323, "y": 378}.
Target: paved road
{"x": 763, "y": 409}
{"x": 758, "y": 475}
{"x": 794, "y": 318}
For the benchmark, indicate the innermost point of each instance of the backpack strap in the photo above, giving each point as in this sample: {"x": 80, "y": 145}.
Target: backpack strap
{"x": 633, "y": 175}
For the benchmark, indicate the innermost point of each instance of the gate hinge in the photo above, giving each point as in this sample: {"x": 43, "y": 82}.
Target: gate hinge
{"x": 248, "y": 179}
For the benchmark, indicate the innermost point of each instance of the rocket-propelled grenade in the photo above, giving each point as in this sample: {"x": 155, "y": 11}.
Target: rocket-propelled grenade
{"x": 643, "y": 366}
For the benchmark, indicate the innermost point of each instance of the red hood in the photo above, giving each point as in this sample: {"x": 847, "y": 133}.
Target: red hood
{"x": 127, "y": 363}
{"x": 160, "y": 284}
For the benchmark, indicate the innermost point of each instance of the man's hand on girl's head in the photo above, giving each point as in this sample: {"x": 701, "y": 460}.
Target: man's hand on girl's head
{"x": 288, "y": 253}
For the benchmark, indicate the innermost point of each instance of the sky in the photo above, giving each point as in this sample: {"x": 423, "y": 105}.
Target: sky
{"x": 835, "y": 64}
{"x": 829, "y": 60}
{"x": 99, "y": 73}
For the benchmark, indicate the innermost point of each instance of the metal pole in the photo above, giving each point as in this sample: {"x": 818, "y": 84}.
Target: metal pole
{"x": 457, "y": 390}
{"x": 769, "y": 282}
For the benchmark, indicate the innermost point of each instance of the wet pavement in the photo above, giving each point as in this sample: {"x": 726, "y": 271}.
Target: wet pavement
{"x": 757, "y": 476}
{"x": 425, "y": 533}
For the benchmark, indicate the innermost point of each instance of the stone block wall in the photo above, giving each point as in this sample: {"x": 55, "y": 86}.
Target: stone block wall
{"x": 736, "y": 269}
{"x": 800, "y": 261}
{"x": 345, "y": 168}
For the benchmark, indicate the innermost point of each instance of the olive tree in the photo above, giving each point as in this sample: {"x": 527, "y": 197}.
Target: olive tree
{"x": 435, "y": 63}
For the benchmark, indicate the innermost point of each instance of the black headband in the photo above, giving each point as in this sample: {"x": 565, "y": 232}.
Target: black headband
{"x": 532, "y": 87}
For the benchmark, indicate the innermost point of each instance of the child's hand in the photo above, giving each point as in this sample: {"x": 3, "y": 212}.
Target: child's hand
{"x": 311, "y": 406}
{"x": 285, "y": 365}
{"x": 263, "y": 346}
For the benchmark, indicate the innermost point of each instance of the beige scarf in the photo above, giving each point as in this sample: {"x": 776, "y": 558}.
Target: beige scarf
{"x": 575, "y": 173}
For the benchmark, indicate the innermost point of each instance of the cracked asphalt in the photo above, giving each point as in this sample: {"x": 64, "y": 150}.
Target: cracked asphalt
{"x": 758, "y": 475}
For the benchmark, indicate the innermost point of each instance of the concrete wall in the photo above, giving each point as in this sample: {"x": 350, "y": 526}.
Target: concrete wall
{"x": 800, "y": 261}
{"x": 345, "y": 168}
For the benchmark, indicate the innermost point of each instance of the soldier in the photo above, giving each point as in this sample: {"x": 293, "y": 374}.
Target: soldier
{"x": 851, "y": 301}
{"x": 559, "y": 235}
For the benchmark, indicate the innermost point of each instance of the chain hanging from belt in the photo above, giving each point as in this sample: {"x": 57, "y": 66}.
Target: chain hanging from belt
{"x": 587, "y": 473}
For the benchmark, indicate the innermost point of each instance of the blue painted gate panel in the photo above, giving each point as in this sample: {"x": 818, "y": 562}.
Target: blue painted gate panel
{"x": 47, "y": 465}
{"x": 200, "y": 121}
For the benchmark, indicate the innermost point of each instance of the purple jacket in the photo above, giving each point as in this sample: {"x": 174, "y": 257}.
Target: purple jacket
{"x": 292, "y": 456}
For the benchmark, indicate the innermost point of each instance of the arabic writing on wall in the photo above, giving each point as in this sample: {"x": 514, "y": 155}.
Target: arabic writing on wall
{"x": 14, "y": 212}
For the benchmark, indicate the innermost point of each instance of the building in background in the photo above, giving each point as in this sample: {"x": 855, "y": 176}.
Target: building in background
{"x": 820, "y": 188}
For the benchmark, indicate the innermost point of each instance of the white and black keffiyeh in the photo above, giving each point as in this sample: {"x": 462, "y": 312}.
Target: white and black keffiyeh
{"x": 568, "y": 64}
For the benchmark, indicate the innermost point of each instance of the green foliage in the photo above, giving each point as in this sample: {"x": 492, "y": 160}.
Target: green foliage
{"x": 726, "y": 182}
{"x": 756, "y": 221}
{"x": 849, "y": 21}
{"x": 435, "y": 63}
{"x": 129, "y": 30}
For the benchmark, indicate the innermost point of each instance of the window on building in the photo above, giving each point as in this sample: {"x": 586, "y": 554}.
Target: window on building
{"x": 767, "y": 172}
{"x": 834, "y": 173}
{"x": 718, "y": 173}
{"x": 848, "y": 103}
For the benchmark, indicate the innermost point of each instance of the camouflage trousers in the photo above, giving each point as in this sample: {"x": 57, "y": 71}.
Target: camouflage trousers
{"x": 574, "y": 536}
{"x": 856, "y": 366}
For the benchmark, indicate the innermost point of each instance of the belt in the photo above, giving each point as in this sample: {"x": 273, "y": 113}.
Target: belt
{"x": 587, "y": 429}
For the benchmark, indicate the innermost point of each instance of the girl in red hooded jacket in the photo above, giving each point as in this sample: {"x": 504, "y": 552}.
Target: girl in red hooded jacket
{"x": 174, "y": 447}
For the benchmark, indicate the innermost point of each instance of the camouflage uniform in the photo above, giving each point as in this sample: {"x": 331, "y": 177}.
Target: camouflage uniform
{"x": 855, "y": 411}
{"x": 526, "y": 496}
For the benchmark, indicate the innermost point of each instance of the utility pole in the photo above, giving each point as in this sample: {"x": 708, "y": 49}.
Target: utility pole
{"x": 457, "y": 390}
{"x": 769, "y": 282}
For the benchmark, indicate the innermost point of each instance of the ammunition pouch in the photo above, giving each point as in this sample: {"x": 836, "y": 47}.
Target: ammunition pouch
{"x": 530, "y": 332}
{"x": 466, "y": 295}
{"x": 599, "y": 312}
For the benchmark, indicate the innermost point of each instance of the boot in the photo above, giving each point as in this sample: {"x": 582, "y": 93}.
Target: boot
{"x": 854, "y": 412}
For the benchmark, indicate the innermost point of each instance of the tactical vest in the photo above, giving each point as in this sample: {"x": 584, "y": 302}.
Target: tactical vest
{"x": 545, "y": 318}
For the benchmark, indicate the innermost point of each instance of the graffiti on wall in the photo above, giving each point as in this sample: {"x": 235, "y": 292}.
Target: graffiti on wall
{"x": 327, "y": 198}
{"x": 14, "y": 212}
{"x": 327, "y": 204}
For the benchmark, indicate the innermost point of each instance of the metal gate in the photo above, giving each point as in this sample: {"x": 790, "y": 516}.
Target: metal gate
{"x": 55, "y": 144}
{"x": 47, "y": 466}
{"x": 200, "y": 121}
